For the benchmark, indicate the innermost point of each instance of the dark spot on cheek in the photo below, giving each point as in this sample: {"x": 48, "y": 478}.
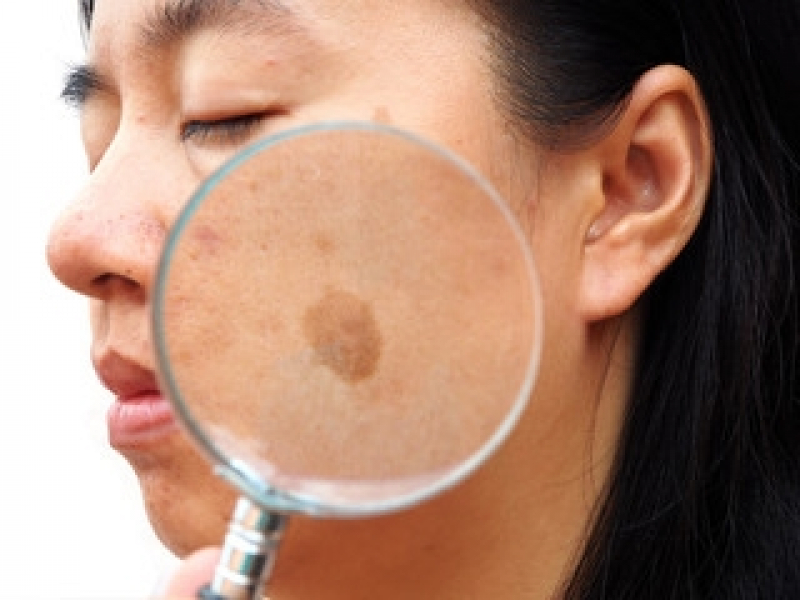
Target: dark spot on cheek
{"x": 344, "y": 335}
{"x": 324, "y": 244}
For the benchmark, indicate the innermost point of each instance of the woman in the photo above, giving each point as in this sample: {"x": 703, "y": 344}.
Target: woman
{"x": 651, "y": 151}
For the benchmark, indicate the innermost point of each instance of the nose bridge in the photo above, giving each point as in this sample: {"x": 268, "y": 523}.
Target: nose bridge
{"x": 115, "y": 228}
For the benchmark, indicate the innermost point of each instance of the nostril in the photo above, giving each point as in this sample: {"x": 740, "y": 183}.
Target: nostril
{"x": 115, "y": 284}
{"x": 101, "y": 280}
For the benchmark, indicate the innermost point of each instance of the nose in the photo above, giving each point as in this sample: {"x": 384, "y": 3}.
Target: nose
{"x": 110, "y": 237}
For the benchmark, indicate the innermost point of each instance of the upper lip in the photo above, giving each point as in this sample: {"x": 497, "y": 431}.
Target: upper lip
{"x": 124, "y": 377}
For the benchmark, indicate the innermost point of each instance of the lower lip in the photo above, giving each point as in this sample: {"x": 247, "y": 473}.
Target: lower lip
{"x": 141, "y": 420}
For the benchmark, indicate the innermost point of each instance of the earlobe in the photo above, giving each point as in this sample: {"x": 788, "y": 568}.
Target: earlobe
{"x": 656, "y": 165}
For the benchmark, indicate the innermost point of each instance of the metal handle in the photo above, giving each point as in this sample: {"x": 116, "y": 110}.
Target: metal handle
{"x": 248, "y": 555}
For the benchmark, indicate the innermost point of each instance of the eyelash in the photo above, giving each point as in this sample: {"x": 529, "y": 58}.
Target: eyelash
{"x": 231, "y": 130}
{"x": 81, "y": 83}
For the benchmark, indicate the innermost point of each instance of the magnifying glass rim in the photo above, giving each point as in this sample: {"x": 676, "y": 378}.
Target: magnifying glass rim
{"x": 241, "y": 475}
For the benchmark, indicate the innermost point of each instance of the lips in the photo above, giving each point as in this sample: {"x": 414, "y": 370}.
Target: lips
{"x": 139, "y": 420}
{"x": 140, "y": 415}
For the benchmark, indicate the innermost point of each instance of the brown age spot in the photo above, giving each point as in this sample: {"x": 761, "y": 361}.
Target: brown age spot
{"x": 342, "y": 330}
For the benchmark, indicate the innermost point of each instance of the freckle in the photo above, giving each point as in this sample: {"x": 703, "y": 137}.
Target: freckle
{"x": 324, "y": 244}
{"x": 344, "y": 335}
{"x": 381, "y": 116}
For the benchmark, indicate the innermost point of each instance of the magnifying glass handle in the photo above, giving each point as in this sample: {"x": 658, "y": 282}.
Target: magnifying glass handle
{"x": 248, "y": 555}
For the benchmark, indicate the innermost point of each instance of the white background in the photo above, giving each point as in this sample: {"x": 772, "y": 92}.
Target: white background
{"x": 72, "y": 526}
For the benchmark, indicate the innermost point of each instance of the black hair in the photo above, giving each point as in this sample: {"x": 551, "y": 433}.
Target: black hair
{"x": 86, "y": 10}
{"x": 703, "y": 501}
{"x": 704, "y": 497}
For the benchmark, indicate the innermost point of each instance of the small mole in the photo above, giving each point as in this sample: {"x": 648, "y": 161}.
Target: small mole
{"x": 344, "y": 335}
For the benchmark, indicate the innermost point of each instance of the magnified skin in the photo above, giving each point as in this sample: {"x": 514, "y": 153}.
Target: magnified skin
{"x": 326, "y": 274}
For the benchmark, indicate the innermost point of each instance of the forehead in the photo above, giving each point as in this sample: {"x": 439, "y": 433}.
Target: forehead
{"x": 160, "y": 23}
{"x": 154, "y": 18}
{"x": 381, "y": 32}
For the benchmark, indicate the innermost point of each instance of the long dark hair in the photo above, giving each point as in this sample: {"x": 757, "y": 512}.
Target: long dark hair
{"x": 704, "y": 498}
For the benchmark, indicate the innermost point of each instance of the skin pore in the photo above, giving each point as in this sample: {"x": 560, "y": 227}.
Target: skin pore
{"x": 165, "y": 100}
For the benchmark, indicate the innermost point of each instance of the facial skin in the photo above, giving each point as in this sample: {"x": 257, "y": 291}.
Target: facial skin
{"x": 167, "y": 107}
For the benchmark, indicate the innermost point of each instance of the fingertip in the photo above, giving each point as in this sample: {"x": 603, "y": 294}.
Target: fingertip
{"x": 192, "y": 573}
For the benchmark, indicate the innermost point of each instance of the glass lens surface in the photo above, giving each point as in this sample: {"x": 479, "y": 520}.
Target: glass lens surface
{"x": 351, "y": 312}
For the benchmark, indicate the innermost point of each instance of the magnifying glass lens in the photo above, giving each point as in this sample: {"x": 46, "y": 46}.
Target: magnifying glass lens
{"x": 352, "y": 313}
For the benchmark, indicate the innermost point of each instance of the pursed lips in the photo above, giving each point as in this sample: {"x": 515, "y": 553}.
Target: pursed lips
{"x": 140, "y": 414}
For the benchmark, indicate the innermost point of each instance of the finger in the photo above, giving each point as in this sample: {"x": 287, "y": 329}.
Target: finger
{"x": 192, "y": 574}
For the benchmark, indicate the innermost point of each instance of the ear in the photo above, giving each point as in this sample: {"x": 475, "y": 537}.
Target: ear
{"x": 654, "y": 172}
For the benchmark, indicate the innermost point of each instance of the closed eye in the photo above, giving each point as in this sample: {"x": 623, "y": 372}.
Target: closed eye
{"x": 81, "y": 83}
{"x": 226, "y": 131}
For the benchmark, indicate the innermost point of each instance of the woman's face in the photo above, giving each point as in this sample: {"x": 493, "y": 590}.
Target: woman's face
{"x": 172, "y": 89}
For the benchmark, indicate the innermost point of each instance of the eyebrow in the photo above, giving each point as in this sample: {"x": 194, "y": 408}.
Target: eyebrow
{"x": 177, "y": 20}
{"x": 181, "y": 18}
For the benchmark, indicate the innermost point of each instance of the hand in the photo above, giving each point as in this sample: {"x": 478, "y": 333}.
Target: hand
{"x": 192, "y": 574}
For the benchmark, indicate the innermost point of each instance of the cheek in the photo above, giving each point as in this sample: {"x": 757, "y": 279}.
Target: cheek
{"x": 558, "y": 252}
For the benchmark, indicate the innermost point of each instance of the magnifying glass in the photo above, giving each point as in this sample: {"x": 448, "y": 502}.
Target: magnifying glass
{"x": 347, "y": 321}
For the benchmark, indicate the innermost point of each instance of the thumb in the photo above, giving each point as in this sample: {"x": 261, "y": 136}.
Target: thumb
{"x": 192, "y": 574}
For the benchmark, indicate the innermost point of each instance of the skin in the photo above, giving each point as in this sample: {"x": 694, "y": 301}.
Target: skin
{"x": 602, "y": 222}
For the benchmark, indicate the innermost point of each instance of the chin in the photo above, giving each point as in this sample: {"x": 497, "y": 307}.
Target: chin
{"x": 187, "y": 505}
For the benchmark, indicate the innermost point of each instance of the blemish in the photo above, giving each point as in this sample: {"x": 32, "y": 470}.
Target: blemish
{"x": 381, "y": 116}
{"x": 324, "y": 244}
{"x": 208, "y": 240}
{"x": 344, "y": 335}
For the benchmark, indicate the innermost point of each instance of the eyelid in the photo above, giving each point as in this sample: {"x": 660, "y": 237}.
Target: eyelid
{"x": 224, "y": 130}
